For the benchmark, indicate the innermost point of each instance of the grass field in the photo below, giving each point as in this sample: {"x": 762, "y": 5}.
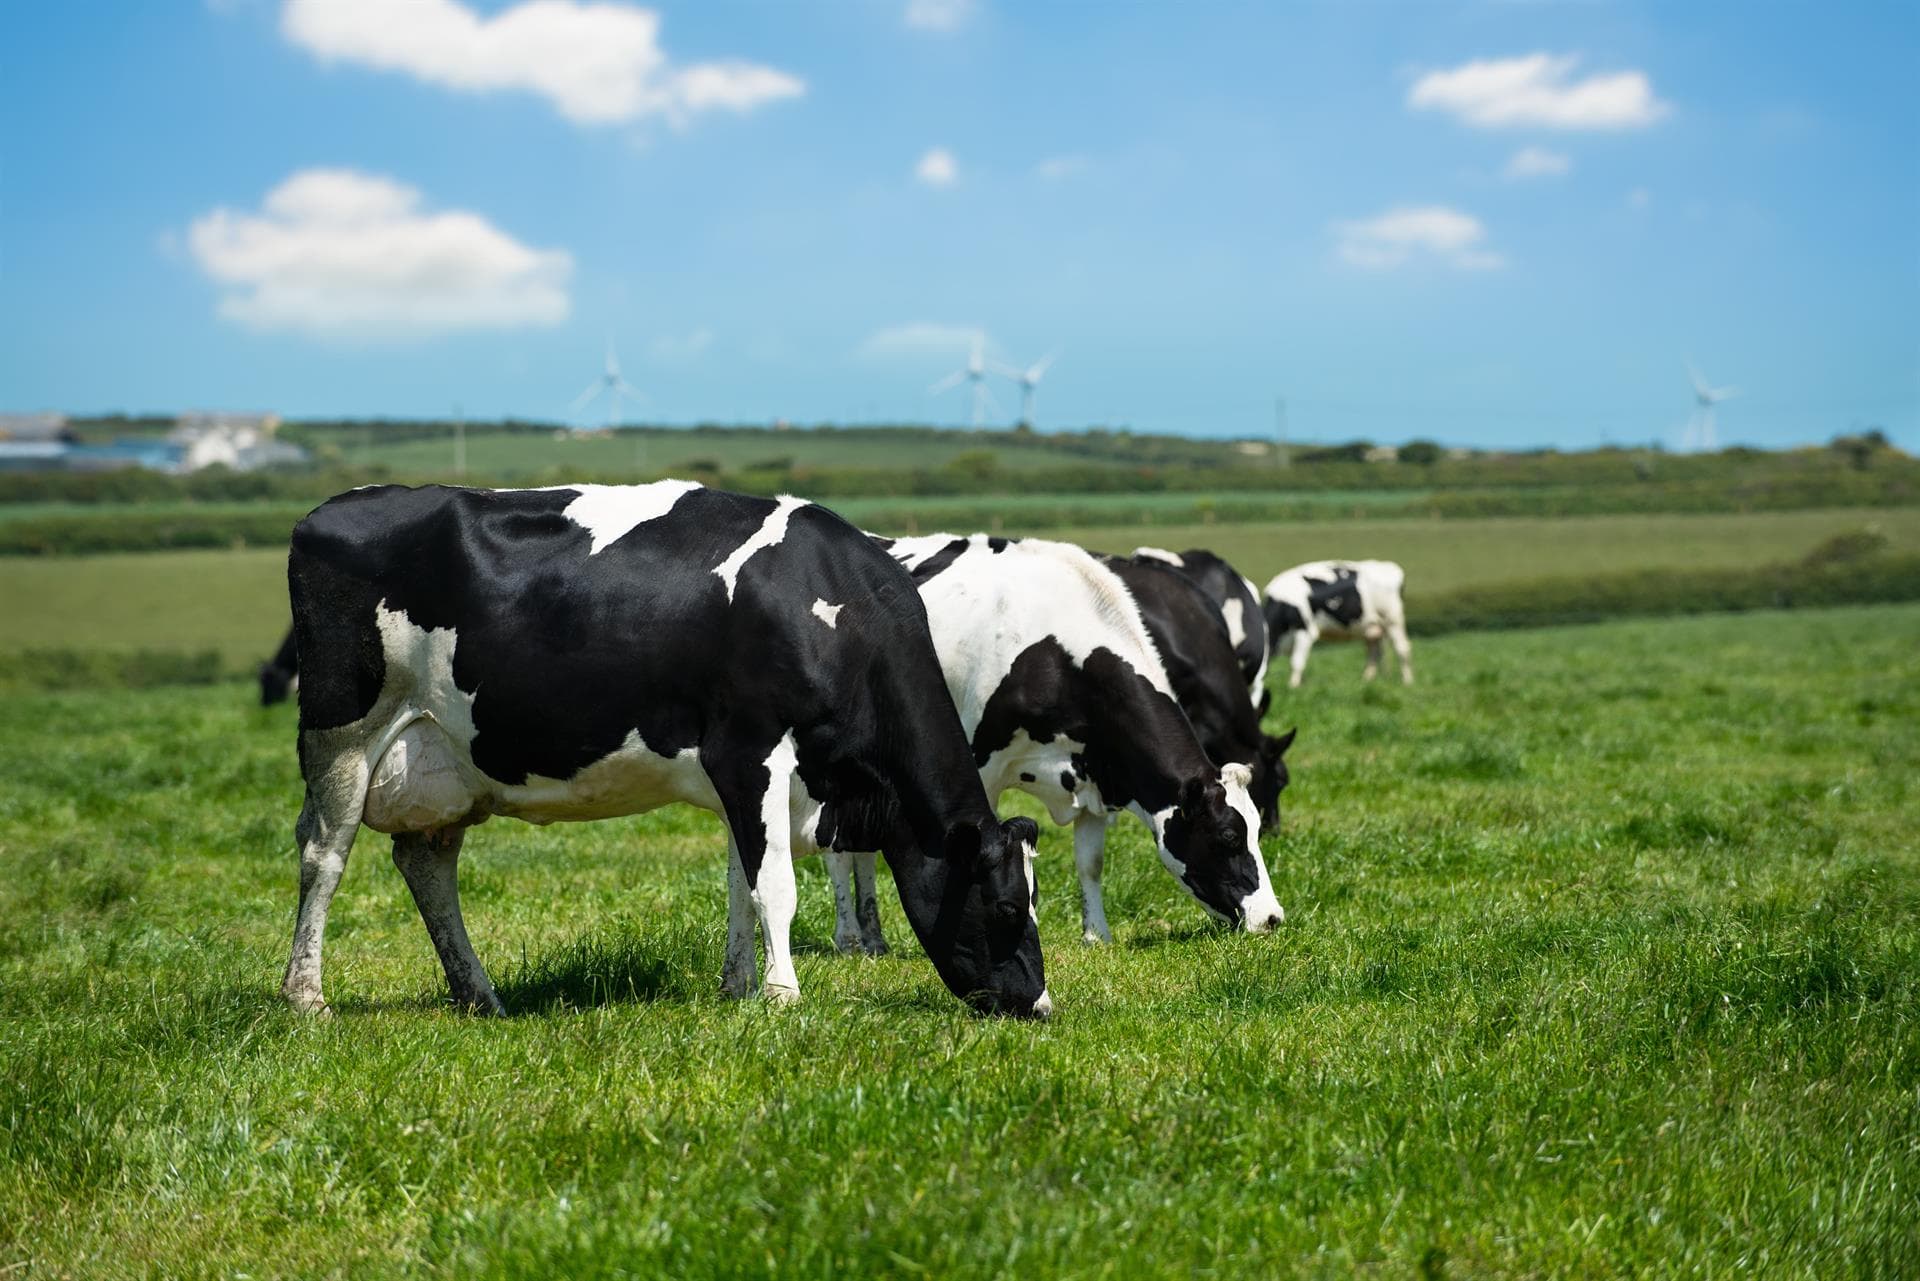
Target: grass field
{"x": 235, "y": 602}
{"x": 1601, "y": 958}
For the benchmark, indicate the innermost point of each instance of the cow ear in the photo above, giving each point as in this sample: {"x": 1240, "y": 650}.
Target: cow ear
{"x": 1281, "y": 744}
{"x": 1021, "y": 831}
{"x": 962, "y": 843}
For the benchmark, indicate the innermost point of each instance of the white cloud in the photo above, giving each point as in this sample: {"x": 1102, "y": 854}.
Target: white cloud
{"x": 1538, "y": 162}
{"x": 921, "y": 338}
{"x": 678, "y": 349}
{"x": 938, "y": 168}
{"x": 596, "y": 63}
{"x": 1400, "y": 236}
{"x": 334, "y": 253}
{"x": 1057, "y": 168}
{"x": 938, "y": 15}
{"x": 1538, "y": 90}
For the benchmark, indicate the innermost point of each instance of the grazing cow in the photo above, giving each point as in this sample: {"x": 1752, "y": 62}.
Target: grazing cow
{"x": 1064, "y": 697}
{"x": 1339, "y": 598}
{"x": 1204, "y": 669}
{"x": 278, "y": 674}
{"x": 591, "y": 651}
{"x": 1238, "y": 601}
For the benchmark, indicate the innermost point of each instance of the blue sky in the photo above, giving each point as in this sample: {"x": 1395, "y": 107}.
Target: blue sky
{"x": 1496, "y": 223}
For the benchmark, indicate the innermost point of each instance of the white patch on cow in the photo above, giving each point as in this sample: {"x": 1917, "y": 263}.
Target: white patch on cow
{"x": 1161, "y": 553}
{"x": 826, "y": 613}
{"x": 420, "y": 772}
{"x": 1036, "y": 769}
{"x": 1258, "y": 685}
{"x": 775, "y": 894}
{"x": 1043, "y": 1005}
{"x": 1260, "y": 910}
{"x": 770, "y": 533}
{"x": 632, "y": 779}
{"x": 1027, "y": 855}
{"x": 1236, "y": 625}
{"x": 988, "y": 607}
{"x": 610, "y": 512}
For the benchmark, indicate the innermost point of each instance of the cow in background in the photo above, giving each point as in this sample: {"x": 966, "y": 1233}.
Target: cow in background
{"x": 279, "y": 674}
{"x": 1064, "y": 696}
{"x": 1339, "y": 598}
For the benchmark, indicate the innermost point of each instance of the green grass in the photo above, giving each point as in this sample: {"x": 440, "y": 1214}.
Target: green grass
{"x": 1601, "y": 959}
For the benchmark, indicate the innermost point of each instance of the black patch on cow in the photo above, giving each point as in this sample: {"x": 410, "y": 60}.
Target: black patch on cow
{"x": 1026, "y": 777}
{"x": 939, "y": 560}
{"x": 1067, "y": 780}
{"x": 1281, "y": 619}
{"x": 996, "y": 544}
{"x": 1338, "y": 598}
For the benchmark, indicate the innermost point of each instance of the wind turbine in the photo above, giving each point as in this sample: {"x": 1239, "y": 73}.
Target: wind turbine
{"x": 975, "y": 372}
{"x": 1028, "y": 378}
{"x": 611, "y": 385}
{"x": 1700, "y": 427}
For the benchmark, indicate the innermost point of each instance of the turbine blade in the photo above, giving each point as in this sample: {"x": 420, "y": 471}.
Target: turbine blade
{"x": 1041, "y": 366}
{"x": 1005, "y": 370}
{"x": 987, "y": 393}
{"x": 585, "y": 398}
{"x": 948, "y": 383}
{"x": 1724, "y": 393}
{"x": 626, "y": 388}
{"x": 1700, "y": 387}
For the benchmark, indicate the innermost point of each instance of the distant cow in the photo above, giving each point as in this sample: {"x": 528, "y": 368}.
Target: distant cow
{"x": 1339, "y": 598}
{"x": 1203, "y": 667}
{"x": 278, "y": 674}
{"x": 1064, "y": 696}
{"x": 592, "y": 651}
{"x": 1238, "y": 601}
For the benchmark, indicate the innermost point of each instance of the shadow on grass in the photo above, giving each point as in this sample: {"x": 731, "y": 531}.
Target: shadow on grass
{"x": 1165, "y": 935}
{"x": 600, "y": 969}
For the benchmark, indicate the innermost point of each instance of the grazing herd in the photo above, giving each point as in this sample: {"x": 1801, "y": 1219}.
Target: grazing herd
{"x": 589, "y": 651}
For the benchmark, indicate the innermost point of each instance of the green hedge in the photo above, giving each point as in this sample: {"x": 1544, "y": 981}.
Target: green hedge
{"x": 1551, "y": 602}
{"x": 56, "y": 669}
{"x": 83, "y": 532}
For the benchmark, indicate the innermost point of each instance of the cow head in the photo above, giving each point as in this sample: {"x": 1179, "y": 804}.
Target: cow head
{"x": 1209, "y": 840}
{"x": 985, "y": 941}
{"x": 1270, "y": 777}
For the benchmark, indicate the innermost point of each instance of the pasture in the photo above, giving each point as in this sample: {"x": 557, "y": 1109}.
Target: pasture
{"x": 235, "y": 602}
{"x": 1602, "y": 957}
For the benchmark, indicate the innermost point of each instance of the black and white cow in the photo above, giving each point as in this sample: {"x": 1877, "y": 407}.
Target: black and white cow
{"x": 591, "y": 651}
{"x": 1204, "y": 669}
{"x": 278, "y": 674}
{"x": 1064, "y": 697}
{"x": 1238, "y": 601}
{"x": 1339, "y": 598}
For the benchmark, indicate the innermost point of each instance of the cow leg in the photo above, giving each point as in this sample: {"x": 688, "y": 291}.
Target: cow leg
{"x": 1374, "y": 648}
{"x": 1297, "y": 661}
{"x": 757, "y": 794}
{"x": 846, "y": 925}
{"x": 328, "y": 822}
{"x": 873, "y": 938}
{"x": 741, "y": 972}
{"x": 1090, "y": 859}
{"x": 430, "y": 862}
{"x": 1402, "y": 649}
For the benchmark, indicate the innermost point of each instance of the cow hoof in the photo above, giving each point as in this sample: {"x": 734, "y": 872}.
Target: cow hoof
{"x": 783, "y": 996}
{"x": 874, "y": 947}
{"x": 736, "y": 989}
{"x": 484, "y": 1006}
{"x": 309, "y": 1003}
{"x": 847, "y": 945}
{"x": 1098, "y": 938}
